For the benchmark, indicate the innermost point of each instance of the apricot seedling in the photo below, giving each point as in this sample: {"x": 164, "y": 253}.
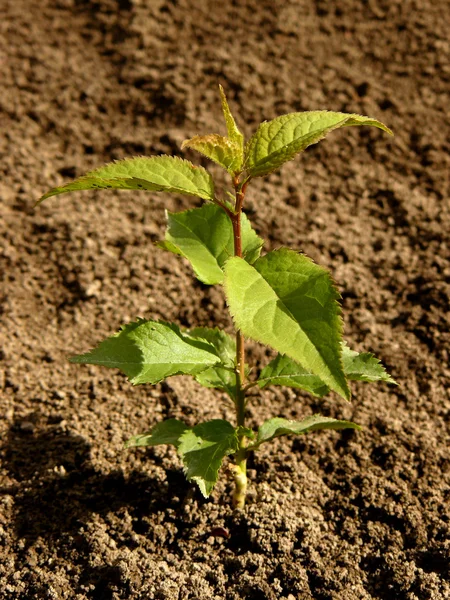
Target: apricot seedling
{"x": 281, "y": 298}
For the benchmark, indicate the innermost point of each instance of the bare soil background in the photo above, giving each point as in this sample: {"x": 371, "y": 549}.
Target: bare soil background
{"x": 331, "y": 516}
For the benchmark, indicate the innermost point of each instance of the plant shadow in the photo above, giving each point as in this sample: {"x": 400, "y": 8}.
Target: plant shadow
{"x": 57, "y": 491}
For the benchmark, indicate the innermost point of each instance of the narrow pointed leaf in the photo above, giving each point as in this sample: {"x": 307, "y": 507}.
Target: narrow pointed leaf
{"x": 223, "y": 151}
{"x": 166, "y": 432}
{"x": 221, "y": 376}
{"x": 288, "y": 302}
{"x": 363, "y": 366}
{"x": 280, "y": 140}
{"x": 205, "y": 237}
{"x": 277, "y": 426}
{"x": 202, "y": 450}
{"x": 150, "y": 351}
{"x": 357, "y": 367}
{"x": 154, "y": 173}
{"x": 233, "y": 131}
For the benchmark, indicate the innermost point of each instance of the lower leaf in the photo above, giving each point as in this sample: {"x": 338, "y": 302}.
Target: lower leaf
{"x": 282, "y": 370}
{"x": 166, "y": 432}
{"x": 277, "y": 426}
{"x": 202, "y": 450}
{"x": 285, "y": 371}
{"x": 363, "y": 366}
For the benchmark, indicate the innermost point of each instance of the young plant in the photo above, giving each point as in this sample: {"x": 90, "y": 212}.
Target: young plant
{"x": 281, "y": 299}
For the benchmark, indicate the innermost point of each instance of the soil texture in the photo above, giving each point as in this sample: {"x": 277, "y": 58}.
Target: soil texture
{"x": 331, "y": 515}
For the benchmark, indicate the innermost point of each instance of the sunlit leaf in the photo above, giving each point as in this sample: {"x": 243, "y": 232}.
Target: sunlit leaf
{"x": 277, "y": 426}
{"x": 280, "y": 140}
{"x": 150, "y": 351}
{"x": 233, "y": 130}
{"x": 288, "y": 302}
{"x": 154, "y": 173}
{"x": 223, "y": 151}
{"x": 363, "y": 366}
{"x": 204, "y": 236}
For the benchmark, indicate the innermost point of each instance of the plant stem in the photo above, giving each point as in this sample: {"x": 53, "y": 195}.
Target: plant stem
{"x": 240, "y": 470}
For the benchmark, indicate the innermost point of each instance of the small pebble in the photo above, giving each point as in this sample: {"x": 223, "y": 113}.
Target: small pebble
{"x": 27, "y": 426}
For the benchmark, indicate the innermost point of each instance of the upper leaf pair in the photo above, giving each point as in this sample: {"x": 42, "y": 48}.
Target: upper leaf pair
{"x": 274, "y": 143}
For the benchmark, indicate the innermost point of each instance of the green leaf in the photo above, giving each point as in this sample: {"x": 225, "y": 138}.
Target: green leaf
{"x": 221, "y": 376}
{"x": 155, "y": 173}
{"x": 277, "y": 426}
{"x": 233, "y": 131}
{"x": 363, "y": 366}
{"x": 166, "y": 432}
{"x": 286, "y": 301}
{"x": 285, "y": 371}
{"x": 357, "y": 367}
{"x": 205, "y": 237}
{"x": 280, "y": 140}
{"x": 221, "y": 150}
{"x": 202, "y": 450}
{"x": 150, "y": 351}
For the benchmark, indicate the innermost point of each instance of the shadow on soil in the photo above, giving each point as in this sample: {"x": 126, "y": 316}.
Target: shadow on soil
{"x": 58, "y": 491}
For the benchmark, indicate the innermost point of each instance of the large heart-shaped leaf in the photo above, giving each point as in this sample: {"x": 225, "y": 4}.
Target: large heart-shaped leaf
{"x": 288, "y": 302}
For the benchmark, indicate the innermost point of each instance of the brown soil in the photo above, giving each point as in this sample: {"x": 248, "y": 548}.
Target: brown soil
{"x": 341, "y": 516}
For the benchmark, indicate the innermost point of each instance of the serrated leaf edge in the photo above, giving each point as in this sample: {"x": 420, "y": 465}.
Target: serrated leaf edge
{"x": 338, "y": 315}
{"x": 255, "y": 445}
{"x": 200, "y": 481}
{"x": 251, "y": 142}
{"x": 204, "y": 194}
{"x": 141, "y": 321}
